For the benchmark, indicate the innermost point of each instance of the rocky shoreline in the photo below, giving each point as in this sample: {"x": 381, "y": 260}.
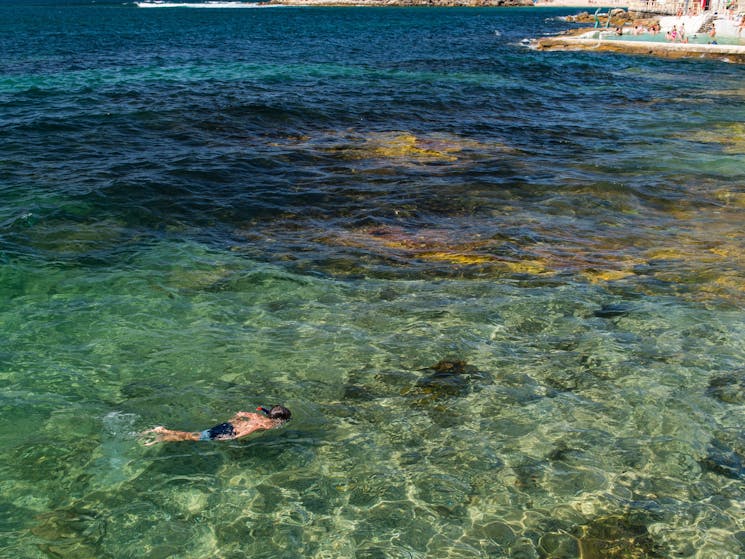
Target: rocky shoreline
{"x": 618, "y": 18}
{"x": 592, "y": 39}
{"x": 728, "y": 53}
{"x": 405, "y": 3}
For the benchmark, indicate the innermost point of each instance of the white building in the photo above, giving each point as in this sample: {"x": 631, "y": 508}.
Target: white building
{"x": 688, "y": 7}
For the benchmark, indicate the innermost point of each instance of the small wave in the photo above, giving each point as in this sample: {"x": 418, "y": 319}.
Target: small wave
{"x": 120, "y": 425}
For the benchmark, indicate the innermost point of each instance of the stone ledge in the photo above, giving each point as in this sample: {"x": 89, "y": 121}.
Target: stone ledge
{"x": 404, "y": 3}
{"x": 729, "y": 53}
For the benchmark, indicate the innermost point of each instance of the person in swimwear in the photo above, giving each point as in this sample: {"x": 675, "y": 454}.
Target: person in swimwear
{"x": 240, "y": 425}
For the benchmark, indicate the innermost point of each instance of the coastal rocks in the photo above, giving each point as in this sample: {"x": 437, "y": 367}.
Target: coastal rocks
{"x": 727, "y": 53}
{"x": 405, "y": 3}
{"x": 618, "y": 18}
{"x": 584, "y": 39}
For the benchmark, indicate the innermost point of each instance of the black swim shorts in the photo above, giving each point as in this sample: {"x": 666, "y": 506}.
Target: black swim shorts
{"x": 222, "y": 431}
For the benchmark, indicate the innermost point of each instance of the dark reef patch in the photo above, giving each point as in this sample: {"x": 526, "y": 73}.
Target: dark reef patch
{"x": 728, "y": 387}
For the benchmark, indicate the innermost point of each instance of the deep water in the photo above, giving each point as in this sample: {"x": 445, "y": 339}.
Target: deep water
{"x": 501, "y": 290}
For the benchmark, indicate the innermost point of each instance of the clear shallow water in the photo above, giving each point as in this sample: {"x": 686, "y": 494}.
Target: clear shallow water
{"x": 207, "y": 210}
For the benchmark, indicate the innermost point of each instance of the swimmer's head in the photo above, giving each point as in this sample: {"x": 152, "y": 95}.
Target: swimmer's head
{"x": 276, "y": 412}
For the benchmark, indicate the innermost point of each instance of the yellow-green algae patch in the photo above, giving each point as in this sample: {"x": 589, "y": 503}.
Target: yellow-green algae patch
{"x": 703, "y": 254}
{"x": 431, "y": 245}
{"x": 405, "y": 145}
{"x": 399, "y": 147}
{"x": 730, "y": 136}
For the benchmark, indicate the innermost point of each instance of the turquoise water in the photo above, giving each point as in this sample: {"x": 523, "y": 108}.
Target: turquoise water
{"x": 501, "y": 290}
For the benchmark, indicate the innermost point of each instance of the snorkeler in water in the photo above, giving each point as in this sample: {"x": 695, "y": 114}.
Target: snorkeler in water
{"x": 240, "y": 425}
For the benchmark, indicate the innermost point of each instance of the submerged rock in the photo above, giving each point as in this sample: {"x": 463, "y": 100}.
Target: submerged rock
{"x": 728, "y": 388}
{"x": 452, "y": 367}
{"x": 617, "y": 537}
{"x": 613, "y": 310}
{"x": 449, "y": 378}
{"x": 445, "y": 381}
{"x": 70, "y": 532}
{"x": 445, "y": 378}
{"x": 363, "y": 386}
{"x": 431, "y": 392}
{"x": 724, "y": 461}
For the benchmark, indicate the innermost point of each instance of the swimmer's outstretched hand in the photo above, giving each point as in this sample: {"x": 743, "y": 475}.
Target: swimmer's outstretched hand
{"x": 153, "y": 436}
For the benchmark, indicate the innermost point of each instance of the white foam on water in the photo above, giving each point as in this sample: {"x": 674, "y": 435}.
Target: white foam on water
{"x": 116, "y": 459}
{"x": 120, "y": 425}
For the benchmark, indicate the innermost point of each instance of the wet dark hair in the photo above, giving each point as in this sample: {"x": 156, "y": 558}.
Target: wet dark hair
{"x": 277, "y": 412}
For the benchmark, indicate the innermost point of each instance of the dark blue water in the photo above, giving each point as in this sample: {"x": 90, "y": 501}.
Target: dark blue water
{"x": 205, "y": 210}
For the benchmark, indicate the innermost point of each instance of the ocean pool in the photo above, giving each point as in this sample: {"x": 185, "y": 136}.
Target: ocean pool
{"x": 693, "y": 39}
